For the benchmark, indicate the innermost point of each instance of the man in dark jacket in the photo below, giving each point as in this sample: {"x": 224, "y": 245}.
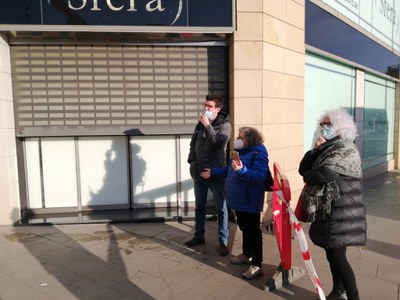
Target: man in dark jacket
{"x": 208, "y": 150}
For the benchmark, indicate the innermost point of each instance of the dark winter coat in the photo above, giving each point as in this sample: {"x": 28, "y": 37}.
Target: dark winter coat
{"x": 346, "y": 225}
{"x": 245, "y": 189}
{"x": 208, "y": 145}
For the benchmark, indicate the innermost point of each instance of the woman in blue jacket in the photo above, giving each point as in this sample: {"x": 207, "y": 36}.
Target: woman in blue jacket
{"x": 245, "y": 194}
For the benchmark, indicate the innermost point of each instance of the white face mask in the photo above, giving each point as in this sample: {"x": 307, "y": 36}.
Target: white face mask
{"x": 327, "y": 132}
{"x": 238, "y": 144}
{"x": 208, "y": 114}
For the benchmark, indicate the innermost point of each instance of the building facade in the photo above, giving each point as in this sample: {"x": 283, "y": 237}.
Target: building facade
{"x": 99, "y": 99}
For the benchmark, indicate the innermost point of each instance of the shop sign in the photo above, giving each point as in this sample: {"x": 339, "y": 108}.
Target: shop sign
{"x": 181, "y": 13}
{"x": 380, "y": 18}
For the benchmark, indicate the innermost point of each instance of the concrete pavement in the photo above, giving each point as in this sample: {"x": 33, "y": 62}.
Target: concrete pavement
{"x": 148, "y": 261}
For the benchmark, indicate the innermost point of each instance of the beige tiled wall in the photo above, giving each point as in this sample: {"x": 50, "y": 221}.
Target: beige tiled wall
{"x": 9, "y": 196}
{"x": 267, "y": 78}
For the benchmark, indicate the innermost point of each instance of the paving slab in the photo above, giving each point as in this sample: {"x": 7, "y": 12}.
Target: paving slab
{"x": 128, "y": 261}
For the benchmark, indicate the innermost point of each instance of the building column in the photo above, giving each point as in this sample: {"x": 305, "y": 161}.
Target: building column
{"x": 267, "y": 66}
{"x": 396, "y": 146}
{"x": 359, "y": 110}
{"x": 283, "y": 84}
{"x": 9, "y": 200}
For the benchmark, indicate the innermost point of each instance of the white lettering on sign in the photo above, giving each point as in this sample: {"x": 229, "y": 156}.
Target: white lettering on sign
{"x": 157, "y": 7}
{"x": 151, "y": 6}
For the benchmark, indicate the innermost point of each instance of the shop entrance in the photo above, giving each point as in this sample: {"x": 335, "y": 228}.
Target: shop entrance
{"x": 107, "y": 128}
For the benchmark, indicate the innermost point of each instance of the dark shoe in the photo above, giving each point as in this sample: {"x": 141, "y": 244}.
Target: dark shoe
{"x": 194, "y": 242}
{"x": 337, "y": 295}
{"x": 223, "y": 249}
{"x": 241, "y": 260}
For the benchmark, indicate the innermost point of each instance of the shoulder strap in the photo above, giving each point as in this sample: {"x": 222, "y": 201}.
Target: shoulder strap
{"x": 253, "y": 157}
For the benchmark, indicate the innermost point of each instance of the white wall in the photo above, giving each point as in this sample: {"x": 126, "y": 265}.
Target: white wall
{"x": 9, "y": 195}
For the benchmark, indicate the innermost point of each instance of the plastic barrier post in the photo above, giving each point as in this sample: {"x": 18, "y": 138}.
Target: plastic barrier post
{"x": 304, "y": 250}
{"x": 281, "y": 218}
{"x": 285, "y": 273}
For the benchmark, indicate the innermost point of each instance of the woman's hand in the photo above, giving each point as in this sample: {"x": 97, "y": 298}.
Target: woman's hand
{"x": 321, "y": 140}
{"x": 206, "y": 173}
{"x": 236, "y": 166}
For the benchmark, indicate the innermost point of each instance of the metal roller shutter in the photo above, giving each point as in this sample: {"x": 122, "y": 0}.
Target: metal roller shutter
{"x": 74, "y": 89}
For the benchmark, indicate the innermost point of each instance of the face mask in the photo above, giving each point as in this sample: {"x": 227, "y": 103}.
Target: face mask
{"x": 208, "y": 114}
{"x": 327, "y": 132}
{"x": 238, "y": 144}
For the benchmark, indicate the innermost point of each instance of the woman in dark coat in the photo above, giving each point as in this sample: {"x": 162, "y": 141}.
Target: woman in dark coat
{"x": 333, "y": 174}
{"x": 245, "y": 194}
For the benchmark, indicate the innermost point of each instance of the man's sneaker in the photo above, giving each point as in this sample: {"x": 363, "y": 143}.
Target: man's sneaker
{"x": 194, "y": 242}
{"x": 223, "y": 249}
{"x": 241, "y": 260}
{"x": 253, "y": 272}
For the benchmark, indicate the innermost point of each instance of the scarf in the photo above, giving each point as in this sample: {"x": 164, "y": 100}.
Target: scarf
{"x": 342, "y": 157}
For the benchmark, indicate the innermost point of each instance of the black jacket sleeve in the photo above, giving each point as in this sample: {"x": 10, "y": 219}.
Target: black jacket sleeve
{"x": 318, "y": 175}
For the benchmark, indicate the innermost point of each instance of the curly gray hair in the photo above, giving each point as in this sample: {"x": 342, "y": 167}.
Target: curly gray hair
{"x": 342, "y": 123}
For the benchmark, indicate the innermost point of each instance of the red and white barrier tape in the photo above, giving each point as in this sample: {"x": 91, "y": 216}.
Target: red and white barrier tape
{"x": 303, "y": 247}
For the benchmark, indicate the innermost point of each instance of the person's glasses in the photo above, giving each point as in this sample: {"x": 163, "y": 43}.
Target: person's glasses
{"x": 208, "y": 106}
{"x": 329, "y": 124}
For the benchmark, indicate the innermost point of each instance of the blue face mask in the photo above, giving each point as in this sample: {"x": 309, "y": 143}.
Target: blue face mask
{"x": 327, "y": 132}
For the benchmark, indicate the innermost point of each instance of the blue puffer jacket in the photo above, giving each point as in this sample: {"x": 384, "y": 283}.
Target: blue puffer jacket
{"x": 245, "y": 189}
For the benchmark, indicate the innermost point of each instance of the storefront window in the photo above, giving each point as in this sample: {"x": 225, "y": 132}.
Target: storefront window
{"x": 103, "y": 171}
{"x": 154, "y": 171}
{"x": 98, "y": 172}
{"x": 51, "y": 172}
{"x": 378, "y": 121}
{"x": 328, "y": 85}
{"x": 322, "y": 92}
